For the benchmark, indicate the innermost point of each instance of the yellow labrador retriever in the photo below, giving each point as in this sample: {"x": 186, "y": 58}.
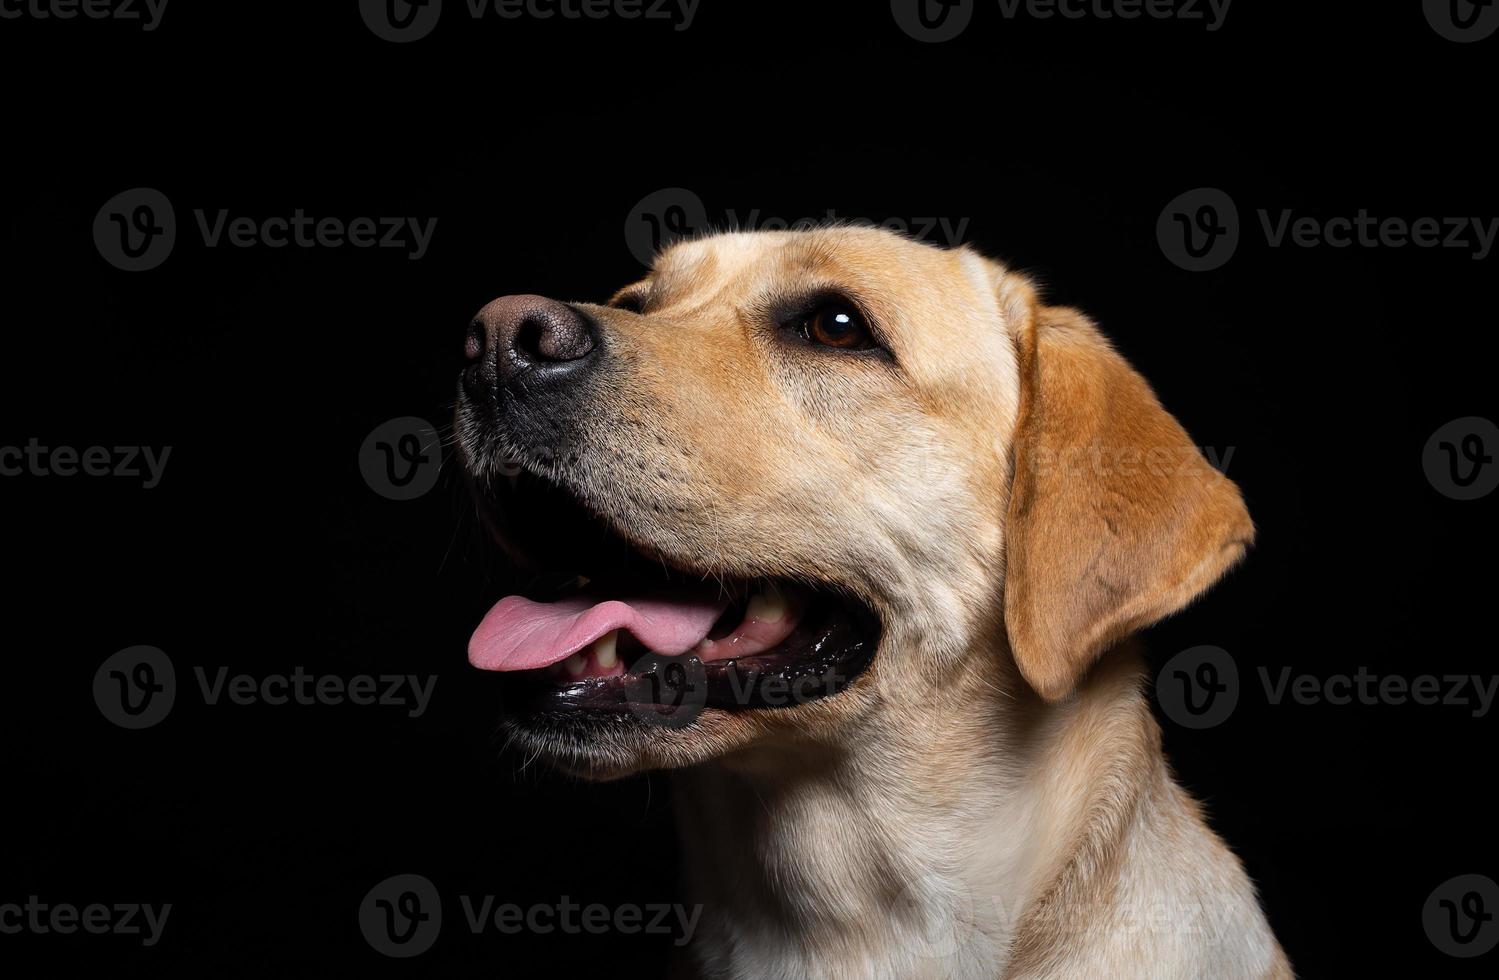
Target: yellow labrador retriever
{"x": 852, "y": 533}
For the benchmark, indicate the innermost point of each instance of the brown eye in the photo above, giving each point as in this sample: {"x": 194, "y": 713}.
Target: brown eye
{"x": 836, "y": 325}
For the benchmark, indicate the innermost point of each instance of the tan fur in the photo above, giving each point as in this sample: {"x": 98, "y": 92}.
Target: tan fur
{"x": 989, "y": 799}
{"x": 1115, "y": 518}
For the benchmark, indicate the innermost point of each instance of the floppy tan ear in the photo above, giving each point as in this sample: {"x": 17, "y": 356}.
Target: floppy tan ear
{"x": 1115, "y": 518}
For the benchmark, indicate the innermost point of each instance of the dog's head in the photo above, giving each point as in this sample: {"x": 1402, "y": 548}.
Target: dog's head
{"x": 791, "y": 482}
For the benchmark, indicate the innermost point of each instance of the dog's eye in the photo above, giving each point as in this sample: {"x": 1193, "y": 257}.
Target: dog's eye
{"x": 835, "y": 324}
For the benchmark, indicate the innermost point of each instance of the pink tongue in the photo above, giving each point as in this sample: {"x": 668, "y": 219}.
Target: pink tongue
{"x": 518, "y": 634}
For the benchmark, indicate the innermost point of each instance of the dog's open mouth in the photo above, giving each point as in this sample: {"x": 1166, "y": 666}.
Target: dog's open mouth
{"x": 604, "y": 628}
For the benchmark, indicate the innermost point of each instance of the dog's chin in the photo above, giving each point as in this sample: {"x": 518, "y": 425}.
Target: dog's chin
{"x": 592, "y": 748}
{"x": 704, "y": 663}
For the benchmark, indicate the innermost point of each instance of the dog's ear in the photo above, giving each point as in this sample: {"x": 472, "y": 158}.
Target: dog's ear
{"x": 1115, "y": 519}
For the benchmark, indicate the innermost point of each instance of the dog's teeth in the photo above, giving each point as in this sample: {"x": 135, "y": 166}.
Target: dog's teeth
{"x": 604, "y": 647}
{"x": 576, "y": 664}
{"x": 767, "y": 606}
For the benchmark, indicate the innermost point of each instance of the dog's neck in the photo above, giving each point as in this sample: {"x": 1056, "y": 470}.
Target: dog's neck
{"x": 939, "y": 843}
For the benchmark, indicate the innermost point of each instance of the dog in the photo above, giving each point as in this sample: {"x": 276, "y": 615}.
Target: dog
{"x": 852, "y": 533}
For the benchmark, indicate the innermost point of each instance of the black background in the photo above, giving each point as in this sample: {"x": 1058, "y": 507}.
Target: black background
{"x": 263, "y": 549}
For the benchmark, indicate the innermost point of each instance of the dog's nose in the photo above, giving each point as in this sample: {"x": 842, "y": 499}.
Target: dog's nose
{"x": 526, "y": 340}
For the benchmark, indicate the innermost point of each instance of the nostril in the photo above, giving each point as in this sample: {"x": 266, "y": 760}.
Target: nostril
{"x": 473, "y": 344}
{"x": 515, "y": 336}
{"x": 528, "y": 340}
{"x": 552, "y": 334}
